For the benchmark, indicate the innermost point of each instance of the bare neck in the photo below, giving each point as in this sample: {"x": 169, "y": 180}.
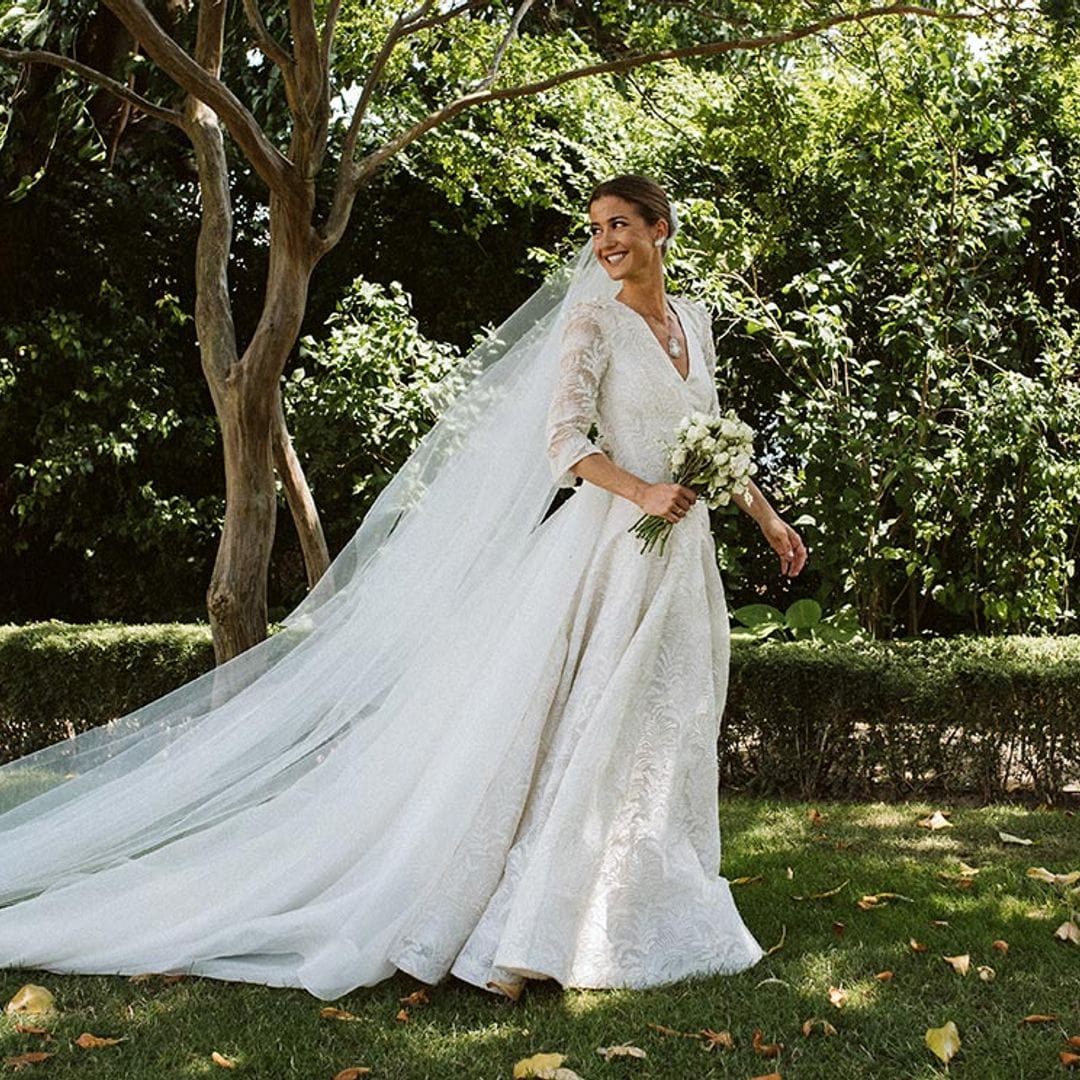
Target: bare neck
{"x": 646, "y": 296}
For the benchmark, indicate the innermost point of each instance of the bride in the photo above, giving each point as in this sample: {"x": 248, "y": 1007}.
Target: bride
{"x": 484, "y": 745}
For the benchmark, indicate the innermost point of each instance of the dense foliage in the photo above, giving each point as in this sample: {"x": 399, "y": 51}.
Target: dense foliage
{"x": 966, "y": 715}
{"x": 884, "y": 220}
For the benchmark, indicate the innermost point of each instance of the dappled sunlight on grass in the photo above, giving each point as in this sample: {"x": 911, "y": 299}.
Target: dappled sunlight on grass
{"x": 171, "y": 1030}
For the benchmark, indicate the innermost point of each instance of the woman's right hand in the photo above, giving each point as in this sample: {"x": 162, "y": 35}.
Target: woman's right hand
{"x": 669, "y": 501}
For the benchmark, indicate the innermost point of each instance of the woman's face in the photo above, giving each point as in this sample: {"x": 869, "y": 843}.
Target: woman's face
{"x": 623, "y": 242}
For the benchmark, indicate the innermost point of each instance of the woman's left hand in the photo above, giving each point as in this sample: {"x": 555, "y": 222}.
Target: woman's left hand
{"x": 787, "y": 543}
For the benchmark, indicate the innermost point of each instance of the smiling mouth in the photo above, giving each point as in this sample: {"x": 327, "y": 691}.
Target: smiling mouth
{"x": 615, "y": 258}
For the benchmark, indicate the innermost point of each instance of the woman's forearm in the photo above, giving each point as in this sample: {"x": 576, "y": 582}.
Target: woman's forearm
{"x": 757, "y": 506}
{"x": 599, "y": 469}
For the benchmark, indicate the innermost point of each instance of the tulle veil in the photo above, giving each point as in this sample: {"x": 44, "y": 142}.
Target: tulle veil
{"x": 386, "y": 656}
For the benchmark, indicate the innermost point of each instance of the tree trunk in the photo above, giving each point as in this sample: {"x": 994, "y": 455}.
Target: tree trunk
{"x": 305, "y": 515}
{"x": 249, "y": 410}
{"x": 236, "y": 598}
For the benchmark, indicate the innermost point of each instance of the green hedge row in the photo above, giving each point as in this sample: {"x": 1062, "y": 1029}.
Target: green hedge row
{"x": 57, "y": 679}
{"x": 982, "y": 716}
{"x": 985, "y": 716}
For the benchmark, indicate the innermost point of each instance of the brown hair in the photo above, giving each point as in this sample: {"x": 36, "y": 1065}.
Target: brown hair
{"x": 647, "y": 195}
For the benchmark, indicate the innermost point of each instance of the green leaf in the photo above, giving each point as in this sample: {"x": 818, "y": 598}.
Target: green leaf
{"x": 803, "y": 614}
{"x": 759, "y": 615}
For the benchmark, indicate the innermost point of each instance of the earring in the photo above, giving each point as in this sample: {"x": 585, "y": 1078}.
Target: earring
{"x": 658, "y": 242}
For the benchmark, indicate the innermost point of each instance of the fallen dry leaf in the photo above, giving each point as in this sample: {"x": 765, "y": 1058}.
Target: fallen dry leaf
{"x": 512, "y": 990}
{"x": 746, "y": 880}
{"x": 330, "y": 1013}
{"x": 34, "y": 1057}
{"x": 664, "y": 1030}
{"x": 937, "y": 820}
{"x": 876, "y": 900}
{"x": 1039, "y": 1018}
{"x": 417, "y": 997}
{"x": 222, "y": 1060}
{"x": 838, "y": 929}
{"x": 943, "y": 1042}
{"x": 26, "y": 1029}
{"x": 31, "y": 999}
{"x": 917, "y": 946}
{"x": 822, "y": 895}
{"x": 790, "y": 874}
{"x": 768, "y": 1050}
{"x": 1068, "y": 931}
{"x": 402, "y": 1016}
{"x": 960, "y": 964}
{"x": 837, "y": 996}
{"x": 986, "y": 973}
{"x": 1074, "y": 1040}
{"x": 815, "y": 817}
{"x": 939, "y": 924}
{"x": 780, "y": 944}
{"x": 1000, "y": 945}
{"x": 353, "y": 1074}
{"x": 713, "y": 1039}
{"x": 809, "y": 1025}
{"x": 769, "y": 1076}
{"x": 538, "y": 1063}
{"x": 1069, "y": 1059}
{"x": 1008, "y": 838}
{"x": 1040, "y": 873}
{"x": 884, "y": 976}
{"x": 93, "y": 1042}
{"x": 608, "y": 1052}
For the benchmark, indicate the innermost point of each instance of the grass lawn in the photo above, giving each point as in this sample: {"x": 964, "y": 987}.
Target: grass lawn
{"x": 172, "y": 1029}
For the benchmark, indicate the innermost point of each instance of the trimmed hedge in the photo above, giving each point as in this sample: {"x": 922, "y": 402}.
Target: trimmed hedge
{"x": 57, "y": 679}
{"x": 982, "y": 716}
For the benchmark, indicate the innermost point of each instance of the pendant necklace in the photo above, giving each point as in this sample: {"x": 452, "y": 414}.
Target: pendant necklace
{"x": 674, "y": 346}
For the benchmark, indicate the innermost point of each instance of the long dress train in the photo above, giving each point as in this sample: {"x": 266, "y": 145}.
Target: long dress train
{"x": 542, "y": 802}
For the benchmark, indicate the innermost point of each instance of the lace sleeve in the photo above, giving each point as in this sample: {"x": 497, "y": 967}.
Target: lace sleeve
{"x": 573, "y": 404}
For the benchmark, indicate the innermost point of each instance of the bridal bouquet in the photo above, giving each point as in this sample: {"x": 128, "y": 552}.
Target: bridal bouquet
{"x": 713, "y": 454}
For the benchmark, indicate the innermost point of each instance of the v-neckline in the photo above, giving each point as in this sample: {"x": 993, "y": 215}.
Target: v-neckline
{"x": 668, "y": 359}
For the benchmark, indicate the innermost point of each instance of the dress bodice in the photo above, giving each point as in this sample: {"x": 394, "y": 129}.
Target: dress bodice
{"x": 616, "y": 375}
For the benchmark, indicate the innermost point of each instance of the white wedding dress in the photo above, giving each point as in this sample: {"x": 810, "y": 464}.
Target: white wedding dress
{"x": 526, "y": 786}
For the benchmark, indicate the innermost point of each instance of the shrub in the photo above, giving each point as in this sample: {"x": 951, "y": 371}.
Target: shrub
{"x": 962, "y": 715}
{"x": 57, "y": 679}
{"x": 981, "y": 716}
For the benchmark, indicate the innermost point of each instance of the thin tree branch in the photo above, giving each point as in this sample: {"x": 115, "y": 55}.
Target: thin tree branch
{"x": 333, "y": 9}
{"x": 271, "y": 165}
{"x": 346, "y": 182}
{"x": 271, "y": 48}
{"x": 419, "y": 24}
{"x": 276, "y": 53}
{"x": 374, "y": 160}
{"x": 500, "y": 52}
{"x": 92, "y": 75}
{"x": 308, "y": 51}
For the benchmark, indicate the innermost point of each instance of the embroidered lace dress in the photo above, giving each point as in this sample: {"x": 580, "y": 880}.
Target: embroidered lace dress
{"x": 534, "y": 794}
{"x": 613, "y": 876}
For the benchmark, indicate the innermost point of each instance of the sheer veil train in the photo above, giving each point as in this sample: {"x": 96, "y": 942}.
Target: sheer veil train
{"x": 297, "y": 816}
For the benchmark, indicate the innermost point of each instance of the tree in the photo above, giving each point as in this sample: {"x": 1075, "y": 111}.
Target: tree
{"x": 478, "y": 49}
